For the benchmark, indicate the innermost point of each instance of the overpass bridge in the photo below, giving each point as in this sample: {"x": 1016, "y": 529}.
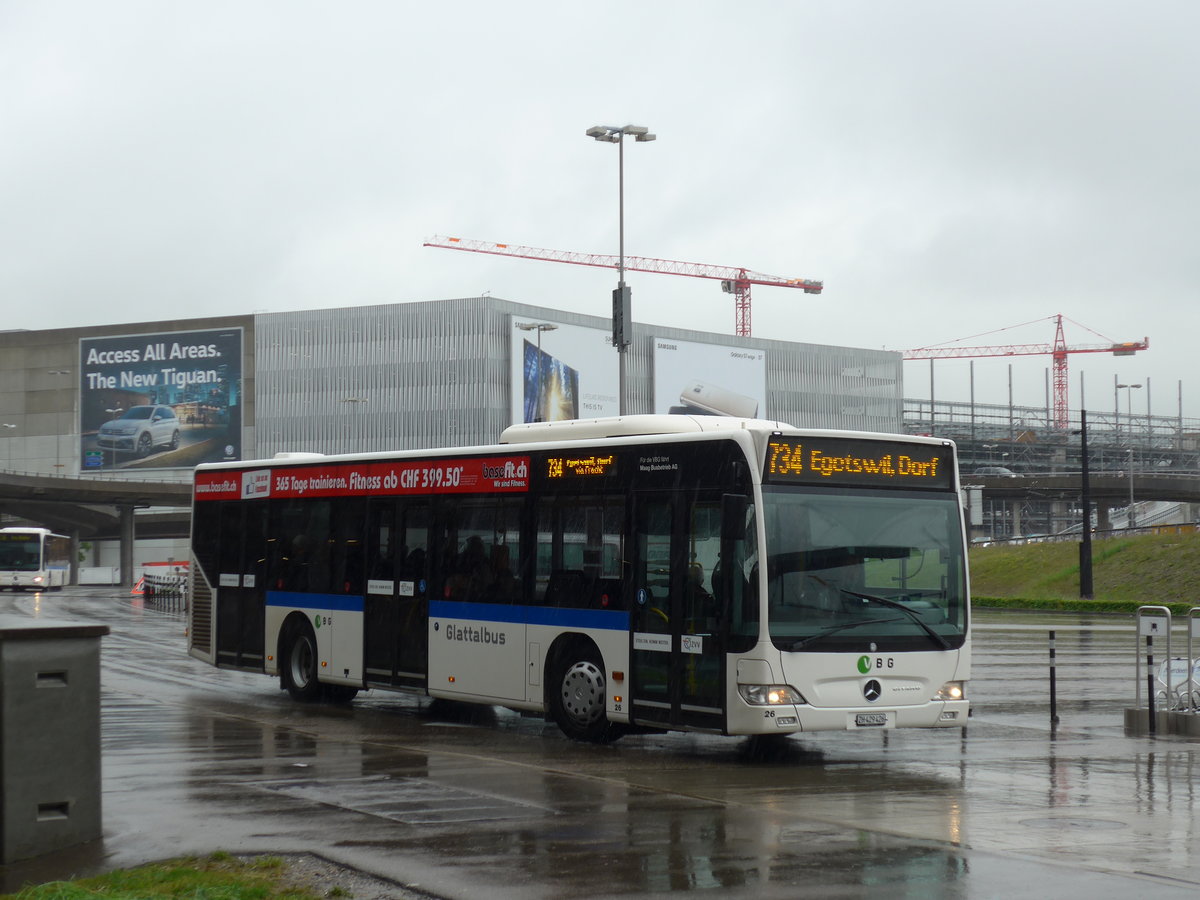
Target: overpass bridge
{"x": 94, "y": 509}
{"x": 1042, "y": 492}
{"x": 1175, "y": 488}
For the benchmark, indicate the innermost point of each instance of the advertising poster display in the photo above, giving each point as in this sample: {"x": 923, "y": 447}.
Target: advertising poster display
{"x": 160, "y": 401}
{"x": 562, "y": 372}
{"x": 709, "y": 379}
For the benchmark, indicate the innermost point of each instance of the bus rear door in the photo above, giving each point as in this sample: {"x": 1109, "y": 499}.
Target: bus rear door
{"x": 397, "y": 605}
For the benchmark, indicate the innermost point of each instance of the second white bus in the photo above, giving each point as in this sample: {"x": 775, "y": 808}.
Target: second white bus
{"x": 34, "y": 559}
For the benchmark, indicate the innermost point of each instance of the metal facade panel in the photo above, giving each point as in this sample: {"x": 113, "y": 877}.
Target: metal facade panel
{"x": 437, "y": 373}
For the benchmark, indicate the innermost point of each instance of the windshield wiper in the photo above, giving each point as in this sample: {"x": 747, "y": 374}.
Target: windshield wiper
{"x": 895, "y": 604}
{"x": 834, "y": 629}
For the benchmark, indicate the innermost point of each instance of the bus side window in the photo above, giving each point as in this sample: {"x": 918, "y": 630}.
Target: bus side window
{"x": 484, "y": 568}
{"x": 579, "y": 552}
{"x": 469, "y": 571}
{"x": 413, "y": 560}
{"x": 232, "y": 539}
{"x": 206, "y": 543}
{"x": 548, "y": 544}
{"x": 703, "y": 540}
{"x": 346, "y": 547}
{"x": 381, "y": 534}
{"x": 297, "y": 560}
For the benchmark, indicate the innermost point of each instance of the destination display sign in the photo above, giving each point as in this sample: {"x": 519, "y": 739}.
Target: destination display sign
{"x": 594, "y": 465}
{"x": 861, "y": 463}
{"x": 491, "y": 475}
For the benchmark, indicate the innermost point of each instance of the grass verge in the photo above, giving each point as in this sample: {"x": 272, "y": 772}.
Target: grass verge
{"x": 1150, "y": 569}
{"x": 220, "y": 876}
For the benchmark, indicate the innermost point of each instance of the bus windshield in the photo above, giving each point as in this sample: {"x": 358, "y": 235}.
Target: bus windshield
{"x": 849, "y": 570}
{"x": 19, "y": 553}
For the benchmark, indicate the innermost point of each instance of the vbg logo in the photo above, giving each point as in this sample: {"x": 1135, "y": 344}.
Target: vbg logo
{"x": 864, "y": 664}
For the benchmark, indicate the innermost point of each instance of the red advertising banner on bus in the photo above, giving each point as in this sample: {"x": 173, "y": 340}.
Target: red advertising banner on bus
{"x": 492, "y": 475}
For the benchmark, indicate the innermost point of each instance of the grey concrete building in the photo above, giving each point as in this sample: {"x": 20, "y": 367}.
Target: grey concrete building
{"x": 396, "y": 376}
{"x": 148, "y": 401}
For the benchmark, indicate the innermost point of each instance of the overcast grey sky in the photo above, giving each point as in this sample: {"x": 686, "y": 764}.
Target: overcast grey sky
{"x": 947, "y": 168}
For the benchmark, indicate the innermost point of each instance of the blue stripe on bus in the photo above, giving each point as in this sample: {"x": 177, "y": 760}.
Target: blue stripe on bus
{"x": 607, "y": 619}
{"x": 343, "y": 602}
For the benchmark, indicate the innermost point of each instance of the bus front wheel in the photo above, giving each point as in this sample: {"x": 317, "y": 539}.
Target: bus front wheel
{"x": 299, "y": 664}
{"x": 577, "y": 698}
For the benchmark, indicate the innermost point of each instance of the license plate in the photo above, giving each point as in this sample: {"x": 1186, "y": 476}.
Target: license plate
{"x": 867, "y": 720}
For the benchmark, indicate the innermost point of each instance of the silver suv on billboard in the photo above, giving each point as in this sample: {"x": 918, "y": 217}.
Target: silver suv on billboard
{"x": 140, "y": 429}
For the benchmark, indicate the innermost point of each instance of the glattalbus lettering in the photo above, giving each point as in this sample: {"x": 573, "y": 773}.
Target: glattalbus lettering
{"x": 472, "y": 635}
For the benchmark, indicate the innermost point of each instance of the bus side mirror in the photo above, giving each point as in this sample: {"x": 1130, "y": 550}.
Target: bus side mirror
{"x": 733, "y": 517}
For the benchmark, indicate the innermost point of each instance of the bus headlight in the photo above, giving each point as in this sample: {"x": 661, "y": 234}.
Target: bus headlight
{"x": 951, "y": 690}
{"x": 769, "y": 694}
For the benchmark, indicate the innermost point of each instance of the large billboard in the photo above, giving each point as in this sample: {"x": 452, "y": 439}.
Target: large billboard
{"x": 160, "y": 401}
{"x": 562, "y": 372}
{"x": 709, "y": 379}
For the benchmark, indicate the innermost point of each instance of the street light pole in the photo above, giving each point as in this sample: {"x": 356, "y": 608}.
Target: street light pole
{"x": 58, "y": 437}
{"x": 1086, "y": 590}
{"x": 1129, "y": 389}
{"x": 112, "y": 414}
{"x": 539, "y": 327}
{"x": 1130, "y": 516}
{"x": 8, "y": 445}
{"x": 622, "y": 307}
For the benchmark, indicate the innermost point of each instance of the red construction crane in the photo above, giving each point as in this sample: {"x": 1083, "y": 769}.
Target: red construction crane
{"x": 733, "y": 280}
{"x": 1058, "y": 350}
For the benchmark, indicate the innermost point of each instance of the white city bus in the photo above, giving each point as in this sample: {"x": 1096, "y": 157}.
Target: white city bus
{"x": 34, "y": 558}
{"x": 666, "y": 572}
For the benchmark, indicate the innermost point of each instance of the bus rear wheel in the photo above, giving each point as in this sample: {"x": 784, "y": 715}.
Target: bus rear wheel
{"x": 577, "y": 700}
{"x": 298, "y": 669}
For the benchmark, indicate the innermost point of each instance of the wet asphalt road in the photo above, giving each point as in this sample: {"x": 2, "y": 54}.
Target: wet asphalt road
{"x": 486, "y": 803}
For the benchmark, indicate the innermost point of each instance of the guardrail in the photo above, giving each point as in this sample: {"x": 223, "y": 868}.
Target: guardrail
{"x": 1075, "y": 537}
{"x": 165, "y": 589}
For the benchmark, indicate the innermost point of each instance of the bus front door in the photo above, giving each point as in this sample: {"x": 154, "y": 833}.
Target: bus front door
{"x": 241, "y": 585}
{"x": 678, "y": 649}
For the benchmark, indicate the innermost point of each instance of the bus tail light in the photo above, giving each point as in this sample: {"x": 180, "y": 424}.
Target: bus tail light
{"x": 951, "y": 690}
{"x": 770, "y": 694}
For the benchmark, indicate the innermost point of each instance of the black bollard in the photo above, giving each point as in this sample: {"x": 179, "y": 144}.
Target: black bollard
{"x": 1053, "y": 685}
{"x": 1150, "y": 679}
